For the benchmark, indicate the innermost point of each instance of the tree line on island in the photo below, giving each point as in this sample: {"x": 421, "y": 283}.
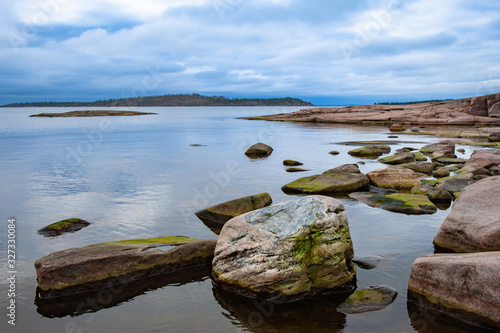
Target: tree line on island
{"x": 173, "y": 100}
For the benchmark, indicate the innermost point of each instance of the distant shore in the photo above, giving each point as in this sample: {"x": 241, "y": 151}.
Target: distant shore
{"x": 92, "y": 113}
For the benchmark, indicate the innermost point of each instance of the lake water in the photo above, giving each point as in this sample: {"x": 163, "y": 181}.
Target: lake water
{"x": 141, "y": 177}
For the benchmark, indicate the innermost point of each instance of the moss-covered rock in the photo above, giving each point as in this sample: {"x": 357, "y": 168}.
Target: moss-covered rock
{"x": 372, "y": 298}
{"x": 333, "y": 181}
{"x": 334, "y": 152}
{"x": 217, "y": 215}
{"x": 419, "y": 157}
{"x": 370, "y": 151}
{"x": 433, "y": 193}
{"x": 411, "y": 204}
{"x": 296, "y": 170}
{"x": 292, "y": 163}
{"x": 64, "y": 226}
{"x": 293, "y": 250}
{"x": 441, "y": 173}
{"x": 398, "y": 158}
{"x": 423, "y": 167}
{"x": 446, "y": 160}
{"x": 102, "y": 265}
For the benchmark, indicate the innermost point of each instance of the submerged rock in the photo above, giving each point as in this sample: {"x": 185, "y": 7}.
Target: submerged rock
{"x": 292, "y": 250}
{"x": 464, "y": 286}
{"x": 372, "y": 298}
{"x": 473, "y": 224}
{"x": 367, "y": 262}
{"x": 64, "y": 226}
{"x": 259, "y": 150}
{"x": 370, "y": 151}
{"x": 102, "y": 265}
{"x": 346, "y": 178}
{"x": 296, "y": 170}
{"x": 394, "y": 178}
{"x": 217, "y": 215}
{"x": 404, "y": 203}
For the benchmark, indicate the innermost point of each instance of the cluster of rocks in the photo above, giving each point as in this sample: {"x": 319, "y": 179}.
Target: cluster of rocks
{"x": 465, "y": 284}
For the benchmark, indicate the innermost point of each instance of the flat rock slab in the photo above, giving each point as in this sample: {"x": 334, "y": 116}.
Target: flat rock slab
{"x": 372, "y": 298}
{"x": 433, "y": 193}
{"x": 400, "y": 158}
{"x": 98, "y": 266}
{"x": 464, "y": 286}
{"x": 92, "y": 113}
{"x": 328, "y": 183}
{"x": 423, "y": 167}
{"x": 217, "y": 215}
{"x": 394, "y": 178}
{"x": 370, "y": 151}
{"x": 404, "y": 203}
{"x": 473, "y": 224}
{"x": 64, "y": 226}
{"x": 290, "y": 251}
{"x": 486, "y": 158}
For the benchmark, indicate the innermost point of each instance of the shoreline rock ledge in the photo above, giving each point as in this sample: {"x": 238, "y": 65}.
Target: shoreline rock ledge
{"x": 287, "y": 252}
{"x": 102, "y": 265}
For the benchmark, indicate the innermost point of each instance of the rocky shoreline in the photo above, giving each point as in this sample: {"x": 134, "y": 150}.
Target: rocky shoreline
{"x": 92, "y": 113}
{"x": 481, "y": 110}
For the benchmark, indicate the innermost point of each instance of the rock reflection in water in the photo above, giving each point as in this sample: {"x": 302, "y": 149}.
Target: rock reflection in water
{"x": 76, "y": 305}
{"x": 315, "y": 315}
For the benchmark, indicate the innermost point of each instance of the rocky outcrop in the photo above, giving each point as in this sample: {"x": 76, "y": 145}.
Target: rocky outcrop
{"x": 494, "y": 110}
{"x": 394, "y": 178}
{"x": 372, "y": 298}
{"x": 433, "y": 193}
{"x": 469, "y": 111}
{"x": 346, "y": 178}
{"x": 464, "y": 286}
{"x": 411, "y": 204}
{"x": 64, "y": 226}
{"x": 472, "y": 225}
{"x": 370, "y": 151}
{"x": 217, "y": 215}
{"x": 398, "y": 159}
{"x": 102, "y": 265}
{"x": 259, "y": 150}
{"x": 292, "y": 250}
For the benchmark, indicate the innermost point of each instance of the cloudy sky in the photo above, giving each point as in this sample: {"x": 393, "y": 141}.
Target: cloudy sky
{"x": 329, "y": 52}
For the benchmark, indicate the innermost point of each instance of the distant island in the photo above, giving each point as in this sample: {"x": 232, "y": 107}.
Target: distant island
{"x": 92, "y": 113}
{"x": 173, "y": 100}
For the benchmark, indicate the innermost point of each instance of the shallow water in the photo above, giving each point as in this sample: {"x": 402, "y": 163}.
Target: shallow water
{"x": 141, "y": 177}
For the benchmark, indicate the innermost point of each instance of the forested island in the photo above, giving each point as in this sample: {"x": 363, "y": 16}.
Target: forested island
{"x": 173, "y": 100}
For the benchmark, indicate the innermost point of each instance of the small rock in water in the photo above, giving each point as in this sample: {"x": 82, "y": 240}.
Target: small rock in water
{"x": 372, "y": 298}
{"x": 64, "y": 226}
{"x": 292, "y": 163}
{"x": 259, "y": 150}
{"x": 296, "y": 170}
{"x": 366, "y": 262}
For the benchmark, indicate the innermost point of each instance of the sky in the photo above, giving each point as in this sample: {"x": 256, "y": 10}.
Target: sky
{"x": 328, "y": 52}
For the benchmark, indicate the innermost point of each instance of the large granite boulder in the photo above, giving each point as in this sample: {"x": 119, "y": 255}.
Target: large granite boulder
{"x": 485, "y": 158}
{"x": 259, "y": 150}
{"x": 473, "y": 224}
{"x": 217, "y": 215}
{"x": 464, "y": 286}
{"x": 398, "y": 158}
{"x": 97, "y": 266}
{"x": 370, "y": 151}
{"x": 394, "y": 178}
{"x": 346, "y": 178}
{"x": 292, "y": 250}
{"x": 64, "y": 226}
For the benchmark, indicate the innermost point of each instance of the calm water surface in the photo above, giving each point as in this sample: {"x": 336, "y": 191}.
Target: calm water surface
{"x": 141, "y": 177}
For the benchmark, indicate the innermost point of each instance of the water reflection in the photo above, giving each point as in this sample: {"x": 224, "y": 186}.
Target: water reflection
{"x": 76, "y": 305}
{"x": 317, "y": 315}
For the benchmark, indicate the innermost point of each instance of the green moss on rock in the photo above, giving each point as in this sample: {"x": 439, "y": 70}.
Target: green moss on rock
{"x": 64, "y": 226}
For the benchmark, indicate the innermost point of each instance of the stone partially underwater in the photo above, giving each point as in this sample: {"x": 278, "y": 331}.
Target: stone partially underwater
{"x": 64, "y": 226}
{"x": 286, "y": 252}
{"x": 99, "y": 266}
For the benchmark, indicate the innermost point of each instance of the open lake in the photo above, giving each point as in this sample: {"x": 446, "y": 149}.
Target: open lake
{"x": 145, "y": 176}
